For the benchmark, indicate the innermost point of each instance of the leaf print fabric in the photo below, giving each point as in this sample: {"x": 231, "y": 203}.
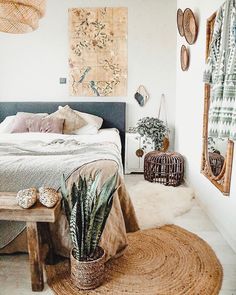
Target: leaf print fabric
{"x": 220, "y": 73}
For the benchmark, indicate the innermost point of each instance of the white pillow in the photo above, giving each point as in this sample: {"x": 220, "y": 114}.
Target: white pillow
{"x": 6, "y": 125}
{"x": 86, "y": 130}
{"x": 90, "y": 119}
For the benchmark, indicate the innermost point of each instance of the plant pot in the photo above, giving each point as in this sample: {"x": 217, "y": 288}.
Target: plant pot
{"x": 88, "y": 275}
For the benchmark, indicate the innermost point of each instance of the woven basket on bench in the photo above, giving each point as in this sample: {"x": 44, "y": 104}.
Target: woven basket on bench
{"x": 164, "y": 168}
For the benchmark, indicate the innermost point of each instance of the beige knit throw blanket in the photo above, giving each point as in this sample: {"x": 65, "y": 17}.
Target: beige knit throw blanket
{"x": 39, "y": 164}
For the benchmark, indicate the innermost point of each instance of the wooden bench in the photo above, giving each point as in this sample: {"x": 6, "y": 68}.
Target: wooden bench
{"x": 37, "y": 221}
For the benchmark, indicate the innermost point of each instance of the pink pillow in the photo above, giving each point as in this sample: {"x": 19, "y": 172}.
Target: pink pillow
{"x": 45, "y": 125}
{"x": 19, "y": 124}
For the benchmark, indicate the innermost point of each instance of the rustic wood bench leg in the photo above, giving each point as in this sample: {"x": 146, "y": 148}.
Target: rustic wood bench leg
{"x": 47, "y": 239}
{"x": 34, "y": 248}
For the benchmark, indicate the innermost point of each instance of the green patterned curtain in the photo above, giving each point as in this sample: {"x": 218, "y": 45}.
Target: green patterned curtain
{"x": 220, "y": 73}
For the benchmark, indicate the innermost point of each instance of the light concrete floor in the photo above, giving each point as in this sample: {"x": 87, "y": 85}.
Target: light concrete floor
{"x": 15, "y": 274}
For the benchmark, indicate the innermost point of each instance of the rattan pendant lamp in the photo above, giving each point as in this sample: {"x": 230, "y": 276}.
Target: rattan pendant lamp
{"x": 21, "y": 16}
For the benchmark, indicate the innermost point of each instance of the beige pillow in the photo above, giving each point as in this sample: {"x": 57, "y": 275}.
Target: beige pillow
{"x": 72, "y": 120}
{"x": 90, "y": 119}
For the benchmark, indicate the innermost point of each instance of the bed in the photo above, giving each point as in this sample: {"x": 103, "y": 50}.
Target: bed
{"x": 33, "y": 159}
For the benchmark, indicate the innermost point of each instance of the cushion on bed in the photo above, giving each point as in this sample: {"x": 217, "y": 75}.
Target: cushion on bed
{"x": 86, "y": 130}
{"x": 6, "y": 125}
{"x": 90, "y": 119}
{"x": 72, "y": 120}
{"x": 45, "y": 125}
{"x": 19, "y": 123}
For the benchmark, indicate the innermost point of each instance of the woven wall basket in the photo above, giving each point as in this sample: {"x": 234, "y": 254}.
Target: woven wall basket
{"x": 21, "y": 16}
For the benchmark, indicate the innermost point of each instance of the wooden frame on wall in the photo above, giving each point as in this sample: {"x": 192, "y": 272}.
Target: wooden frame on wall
{"x": 223, "y": 180}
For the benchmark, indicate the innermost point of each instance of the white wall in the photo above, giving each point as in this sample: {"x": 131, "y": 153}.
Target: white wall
{"x": 30, "y": 67}
{"x": 31, "y": 64}
{"x": 189, "y": 116}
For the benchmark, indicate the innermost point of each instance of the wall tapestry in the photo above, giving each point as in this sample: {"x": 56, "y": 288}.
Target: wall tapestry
{"x": 98, "y": 51}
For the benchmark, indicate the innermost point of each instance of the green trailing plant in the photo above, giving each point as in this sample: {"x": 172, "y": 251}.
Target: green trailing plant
{"x": 87, "y": 210}
{"x": 152, "y": 130}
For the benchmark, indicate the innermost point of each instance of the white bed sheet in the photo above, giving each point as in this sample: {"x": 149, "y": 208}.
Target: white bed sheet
{"x": 103, "y": 135}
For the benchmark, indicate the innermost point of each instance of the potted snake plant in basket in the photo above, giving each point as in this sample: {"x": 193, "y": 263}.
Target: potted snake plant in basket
{"x": 87, "y": 210}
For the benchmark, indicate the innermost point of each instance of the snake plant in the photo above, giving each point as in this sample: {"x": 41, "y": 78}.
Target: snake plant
{"x": 87, "y": 209}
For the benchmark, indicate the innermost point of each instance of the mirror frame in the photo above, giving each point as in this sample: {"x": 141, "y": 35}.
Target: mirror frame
{"x": 223, "y": 180}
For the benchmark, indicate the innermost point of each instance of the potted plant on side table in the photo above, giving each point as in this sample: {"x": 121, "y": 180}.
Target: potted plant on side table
{"x": 87, "y": 210}
{"x": 153, "y": 130}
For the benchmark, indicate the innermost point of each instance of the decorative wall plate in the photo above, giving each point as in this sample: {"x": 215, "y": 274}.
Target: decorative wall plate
{"x": 184, "y": 58}
{"x": 190, "y": 26}
{"x": 180, "y": 17}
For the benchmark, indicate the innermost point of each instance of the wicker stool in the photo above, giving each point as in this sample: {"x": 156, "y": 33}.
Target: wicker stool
{"x": 216, "y": 162}
{"x": 164, "y": 168}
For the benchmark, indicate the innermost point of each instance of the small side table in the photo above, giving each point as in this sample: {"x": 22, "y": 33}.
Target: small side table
{"x": 134, "y": 153}
{"x": 37, "y": 221}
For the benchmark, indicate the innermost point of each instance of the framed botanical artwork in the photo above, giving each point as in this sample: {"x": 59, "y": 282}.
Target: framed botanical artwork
{"x": 98, "y": 51}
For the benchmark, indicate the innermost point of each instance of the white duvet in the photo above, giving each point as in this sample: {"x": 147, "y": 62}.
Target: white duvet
{"x": 104, "y": 135}
{"x": 33, "y": 159}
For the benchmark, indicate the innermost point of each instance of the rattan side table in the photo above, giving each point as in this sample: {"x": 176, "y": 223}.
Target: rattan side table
{"x": 165, "y": 168}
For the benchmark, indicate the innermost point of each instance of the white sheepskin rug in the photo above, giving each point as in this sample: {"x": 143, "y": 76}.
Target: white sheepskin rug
{"x": 157, "y": 205}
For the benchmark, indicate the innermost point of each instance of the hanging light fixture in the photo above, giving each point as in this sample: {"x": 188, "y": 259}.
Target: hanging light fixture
{"x": 21, "y": 16}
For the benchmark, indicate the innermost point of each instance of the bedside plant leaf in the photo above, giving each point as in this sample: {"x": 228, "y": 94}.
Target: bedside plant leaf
{"x": 89, "y": 214}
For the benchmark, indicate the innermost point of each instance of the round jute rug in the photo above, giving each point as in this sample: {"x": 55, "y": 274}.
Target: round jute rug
{"x": 165, "y": 261}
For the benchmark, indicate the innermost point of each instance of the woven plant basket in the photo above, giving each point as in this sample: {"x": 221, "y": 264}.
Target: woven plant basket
{"x": 87, "y": 275}
{"x": 164, "y": 168}
{"x": 21, "y": 16}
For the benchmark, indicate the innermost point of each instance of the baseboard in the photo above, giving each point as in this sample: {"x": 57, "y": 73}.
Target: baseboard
{"x": 226, "y": 235}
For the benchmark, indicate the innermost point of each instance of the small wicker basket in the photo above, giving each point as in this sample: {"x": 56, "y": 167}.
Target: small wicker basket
{"x": 87, "y": 275}
{"x": 164, "y": 168}
{"x": 217, "y": 163}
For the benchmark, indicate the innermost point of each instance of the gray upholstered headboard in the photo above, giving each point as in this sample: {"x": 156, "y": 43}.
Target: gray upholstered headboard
{"x": 113, "y": 113}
